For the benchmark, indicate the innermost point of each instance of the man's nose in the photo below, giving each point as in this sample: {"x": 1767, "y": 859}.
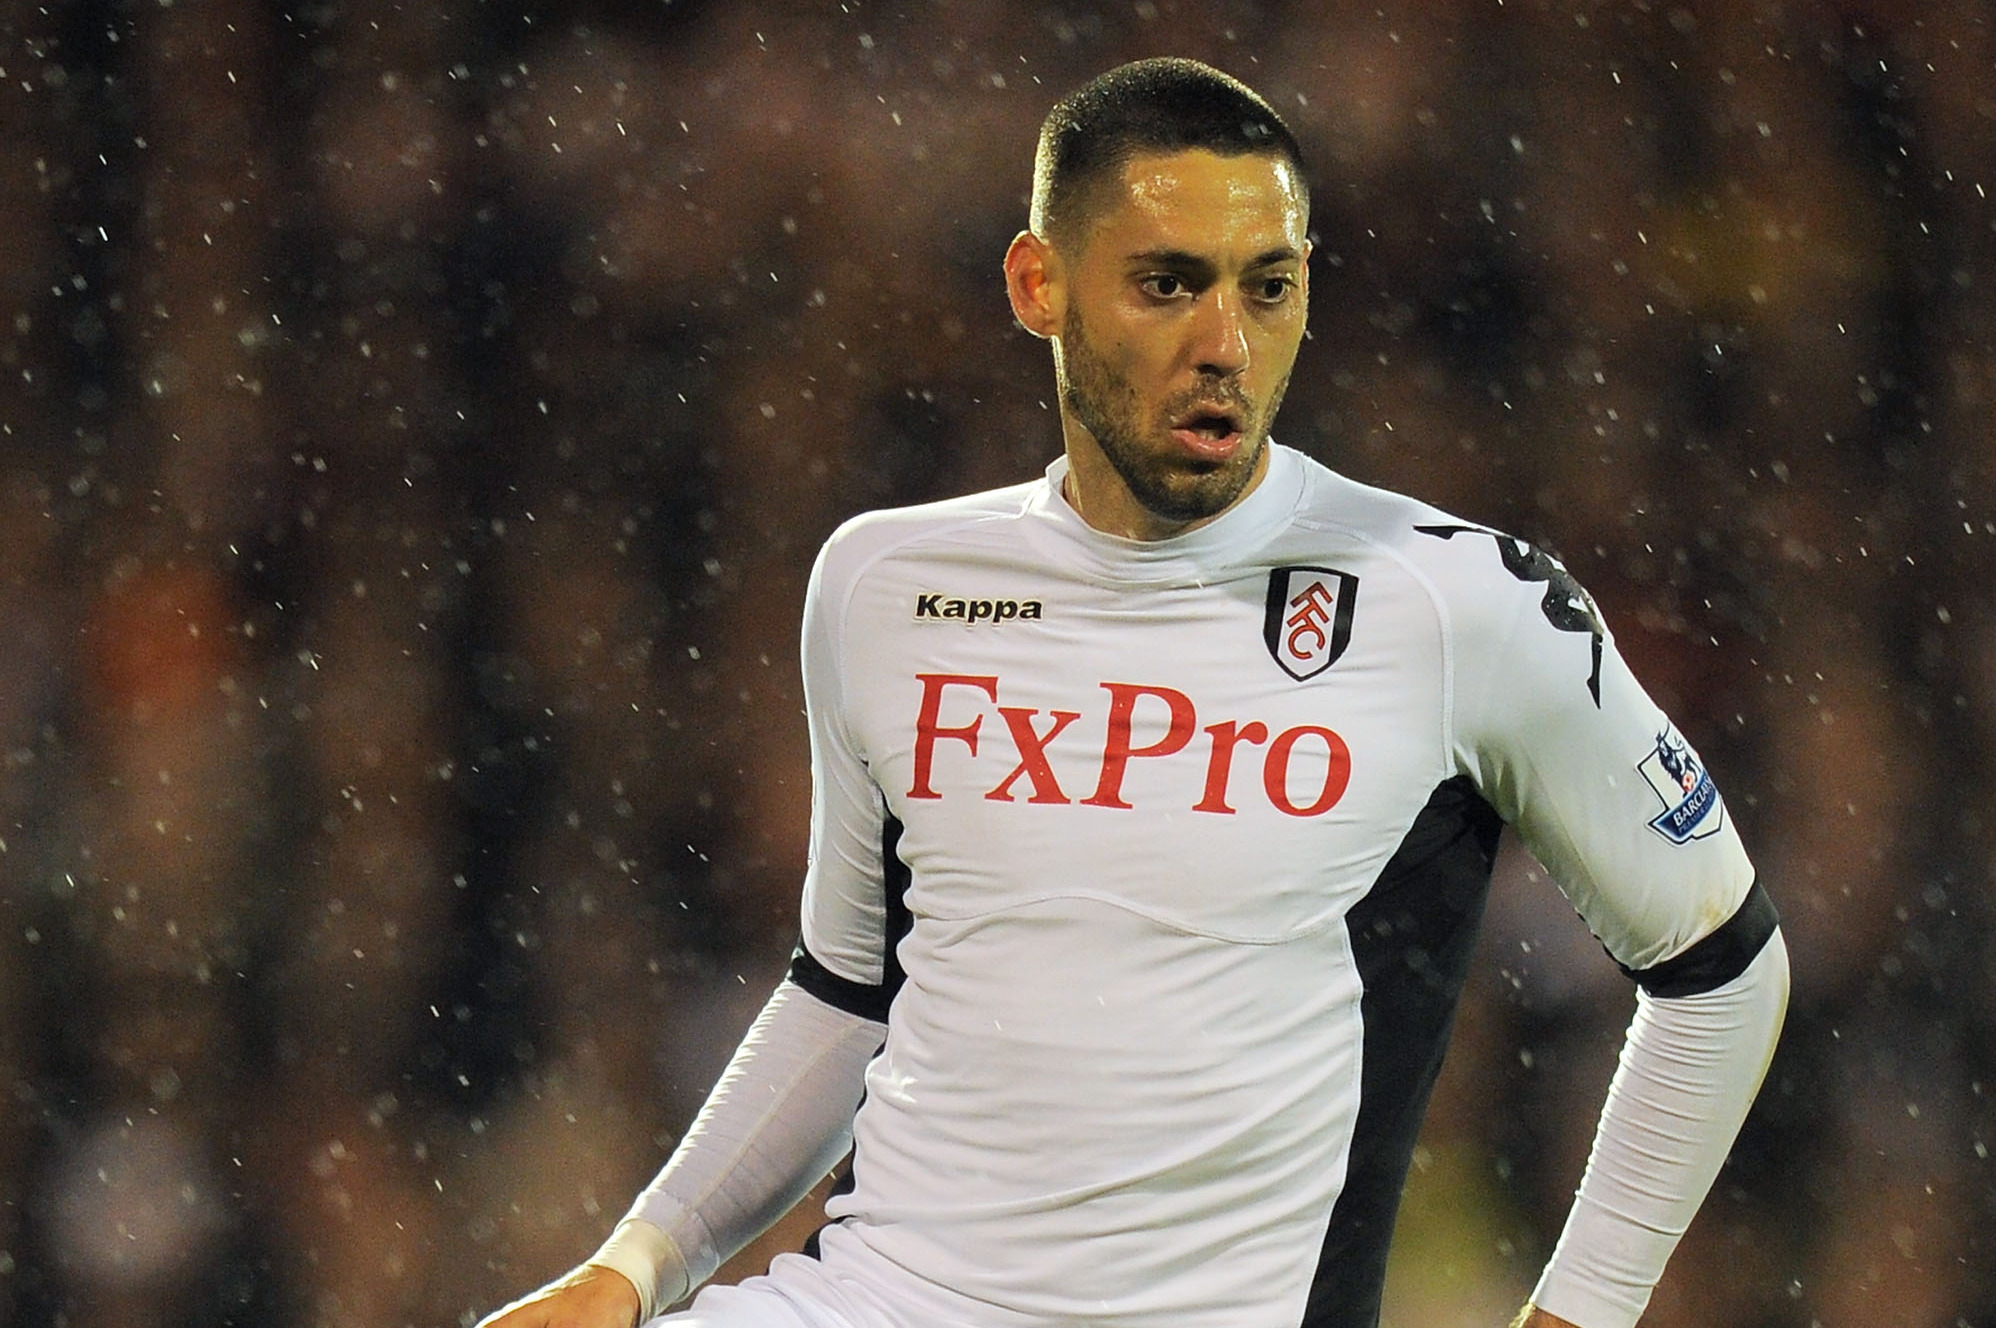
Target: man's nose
{"x": 1220, "y": 344}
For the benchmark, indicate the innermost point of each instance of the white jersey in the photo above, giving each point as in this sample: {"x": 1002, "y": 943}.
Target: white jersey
{"x": 1162, "y": 862}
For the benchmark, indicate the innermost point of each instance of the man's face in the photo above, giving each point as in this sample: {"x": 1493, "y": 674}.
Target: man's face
{"x": 1185, "y": 304}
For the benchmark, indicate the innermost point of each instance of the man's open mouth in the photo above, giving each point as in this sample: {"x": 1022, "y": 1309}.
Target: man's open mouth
{"x": 1213, "y": 431}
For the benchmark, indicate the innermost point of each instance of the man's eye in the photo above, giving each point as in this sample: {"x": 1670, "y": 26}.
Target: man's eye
{"x": 1163, "y": 286}
{"x": 1274, "y": 290}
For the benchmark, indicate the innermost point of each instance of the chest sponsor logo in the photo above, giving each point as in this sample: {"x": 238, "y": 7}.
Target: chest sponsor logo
{"x": 935, "y": 606}
{"x": 1304, "y": 771}
{"x": 1691, "y": 805}
{"x": 1307, "y": 624}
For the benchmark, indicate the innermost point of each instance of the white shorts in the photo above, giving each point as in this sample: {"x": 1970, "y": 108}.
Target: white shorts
{"x": 850, "y": 1287}
{"x": 745, "y": 1306}
{"x": 797, "y": 1292}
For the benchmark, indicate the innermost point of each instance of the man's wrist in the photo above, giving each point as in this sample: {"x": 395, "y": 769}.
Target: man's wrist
{"x": 649, "y": 1258}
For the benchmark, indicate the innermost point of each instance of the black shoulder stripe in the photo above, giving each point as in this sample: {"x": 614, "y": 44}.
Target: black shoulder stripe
{"x": 1720, "y": 957}
{"x": 860, "y": 998}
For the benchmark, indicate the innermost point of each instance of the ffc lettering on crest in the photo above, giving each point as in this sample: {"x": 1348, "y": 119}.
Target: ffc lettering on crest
{"x": 1308, "y": 621}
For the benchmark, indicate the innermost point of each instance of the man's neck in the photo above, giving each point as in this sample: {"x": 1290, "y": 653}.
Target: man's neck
{"x": 1099, "y": 496}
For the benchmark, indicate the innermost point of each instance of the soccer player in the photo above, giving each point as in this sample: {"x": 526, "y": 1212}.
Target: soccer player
{"x": 1155, "y": 802}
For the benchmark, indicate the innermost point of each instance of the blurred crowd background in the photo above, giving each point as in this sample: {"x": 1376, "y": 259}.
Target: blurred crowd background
{"x": 417, "y": 421}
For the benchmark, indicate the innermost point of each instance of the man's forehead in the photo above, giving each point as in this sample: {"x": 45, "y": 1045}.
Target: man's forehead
{"x": 1205, "y": 197}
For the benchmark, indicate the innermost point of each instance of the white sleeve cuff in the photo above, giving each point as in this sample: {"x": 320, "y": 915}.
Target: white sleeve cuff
{"x": 650, "y": 1260}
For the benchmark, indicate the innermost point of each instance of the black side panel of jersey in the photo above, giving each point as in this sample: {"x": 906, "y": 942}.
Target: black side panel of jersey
{"x": 1412, "y": 936}
{"x": 856, "y": 997}
{"x": 863, "y": 999}
{"x": 899, "y": 920}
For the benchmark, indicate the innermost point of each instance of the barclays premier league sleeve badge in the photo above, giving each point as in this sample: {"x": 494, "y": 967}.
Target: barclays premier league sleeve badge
{"x": 1691, "y": 806}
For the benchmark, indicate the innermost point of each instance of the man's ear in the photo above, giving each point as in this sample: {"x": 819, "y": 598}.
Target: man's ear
{"x": 1033, "y": 280}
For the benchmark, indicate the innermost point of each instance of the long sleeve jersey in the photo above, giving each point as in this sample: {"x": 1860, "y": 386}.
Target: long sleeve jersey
{"x": 1161, "y": 864}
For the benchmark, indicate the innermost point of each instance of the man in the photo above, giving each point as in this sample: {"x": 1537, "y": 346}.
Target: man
{"x": 1154, "y": 806}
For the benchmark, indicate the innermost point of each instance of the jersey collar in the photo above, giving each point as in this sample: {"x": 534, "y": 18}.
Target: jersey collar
{"x": 1190, "y": 557}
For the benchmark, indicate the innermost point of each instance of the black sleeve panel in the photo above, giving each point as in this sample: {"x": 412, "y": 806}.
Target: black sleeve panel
{"x": 858, "y": 998}
{"x": 1720, "y": 957}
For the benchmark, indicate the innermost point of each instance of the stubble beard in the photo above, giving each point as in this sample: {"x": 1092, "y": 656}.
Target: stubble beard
{"x": 1168, "y": 485}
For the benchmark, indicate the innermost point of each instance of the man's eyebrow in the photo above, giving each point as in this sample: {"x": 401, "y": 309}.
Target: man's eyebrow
{"x": 1183, "y": 260}
{"x": 1178, "y": 258}
{"x": 1279, "y": 254}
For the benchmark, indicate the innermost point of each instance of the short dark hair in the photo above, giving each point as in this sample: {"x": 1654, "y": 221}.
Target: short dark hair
{"x": 1163, "y": 104}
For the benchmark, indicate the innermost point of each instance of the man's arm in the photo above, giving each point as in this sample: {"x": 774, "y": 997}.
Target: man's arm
{"x": 1565, "y": 743}
{"x": 1689, "y": 1071}
{"x": 774, "y": 1125}
{"x": 781, "y": 1115}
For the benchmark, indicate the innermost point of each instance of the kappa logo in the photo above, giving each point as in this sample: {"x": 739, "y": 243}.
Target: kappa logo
{"x": 1691, "y": 805}
{"x": 935, "y": 606}
{"x": 1308, "y": 621}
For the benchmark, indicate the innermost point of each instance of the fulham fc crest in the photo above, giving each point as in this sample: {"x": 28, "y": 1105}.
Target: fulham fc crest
{"x": 1308, "y": 623}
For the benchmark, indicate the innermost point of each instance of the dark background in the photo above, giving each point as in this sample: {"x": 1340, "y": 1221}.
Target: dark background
{"x": 417, "y": 419}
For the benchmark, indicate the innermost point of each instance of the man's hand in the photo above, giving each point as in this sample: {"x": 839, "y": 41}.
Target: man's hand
{"x": 1533, "y": 1317}
{"x": 589, "y": 1297}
